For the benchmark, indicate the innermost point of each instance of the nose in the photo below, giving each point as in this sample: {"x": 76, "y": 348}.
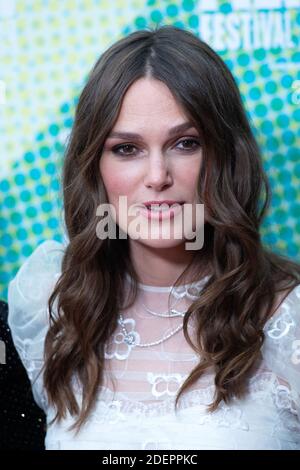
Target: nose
{"x": 158, "y": 174}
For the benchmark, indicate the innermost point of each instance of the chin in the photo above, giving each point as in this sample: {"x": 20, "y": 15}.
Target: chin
{"x": 158, "y": 241}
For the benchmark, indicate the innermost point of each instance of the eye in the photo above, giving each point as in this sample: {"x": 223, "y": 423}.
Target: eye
{"x": 188, "y": 144}
{"x": 124, "y": 149}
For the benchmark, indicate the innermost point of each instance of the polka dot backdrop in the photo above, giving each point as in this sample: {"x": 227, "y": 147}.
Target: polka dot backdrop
{"x": 48, "y": 48}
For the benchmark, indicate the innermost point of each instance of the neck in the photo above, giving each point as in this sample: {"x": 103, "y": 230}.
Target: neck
{"x": 162, "y": 266}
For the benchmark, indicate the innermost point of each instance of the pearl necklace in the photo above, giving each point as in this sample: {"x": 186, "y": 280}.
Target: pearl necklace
{"x": 129, "y": 338}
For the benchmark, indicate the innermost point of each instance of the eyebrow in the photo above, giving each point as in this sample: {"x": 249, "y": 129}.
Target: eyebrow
{"x": 131, "y": 135}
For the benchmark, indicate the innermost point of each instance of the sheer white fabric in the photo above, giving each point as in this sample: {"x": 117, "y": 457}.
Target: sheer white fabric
{"x": 135, "y": 406}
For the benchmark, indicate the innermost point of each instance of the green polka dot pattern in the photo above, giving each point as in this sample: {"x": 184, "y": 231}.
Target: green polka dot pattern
{"x": 49, "y": 47}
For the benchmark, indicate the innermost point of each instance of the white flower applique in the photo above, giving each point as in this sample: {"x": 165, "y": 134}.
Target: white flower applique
{"x": 284, "y": 400}
{"x": 165, "y": 384}
{"x": 119, "y": 346}
{"x": 108, "y": 412}
{"x": 281, "y": 326}
{"x": 191, "y": 291}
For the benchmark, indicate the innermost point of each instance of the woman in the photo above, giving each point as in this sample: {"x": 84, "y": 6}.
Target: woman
{"x": 151, "y": 345}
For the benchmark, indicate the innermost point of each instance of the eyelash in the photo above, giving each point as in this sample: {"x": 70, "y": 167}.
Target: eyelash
{"x": 117, "y": 148}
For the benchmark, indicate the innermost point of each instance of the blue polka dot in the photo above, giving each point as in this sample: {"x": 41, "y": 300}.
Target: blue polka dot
{"x": 65, "y": 108}
{"x": 37, "y": 228}
{"x": 3, "y": 223}
{"x": 261, "y": 110}
{"x": 50, "y": 168}
{"x": 57, "y": 237}
{"x": 9, "y": 201}
{"x": 46, "y": 206}
{"x": 292, "y": 249}
{"x": 283, "y": 120}
{"x": 55, "y": 185}
{"x": 243, "y": 59}
{"x": 265, "y": 70}
{"x": 280, "y": 216}
{"x": 4, "y": 186}
{"x": 35, "y": 173}
{"x": 4, "y": 279}
{"x": 41, "y": 190}
{"x": 285, "y": 176}
{"x": 287, "y": 232}
{"x": 249, "y": 76}
{"x": 6, "y": 239}
{"x": 288, "y": 137}
{"x": 286, "y": 81}
{"x": 25, "y": 195}
{"x": 293, "y": 154}
{"x": 271, "y": 87}
{"x": 267, "y": 127}
{"x": 54, "y": 129}
{"x": 272, "y": 143}
{"x": 29, "y": 157}
{"x": 193, "y": 21}
{"x": 45, "y": 152}
{"x": 16, "y": 218}
{"x": 290, "y": 193}
{"x": 229, "y": 63}
{"x": 296, "y": 114}
{"x": 31, "y": 211}
{"x": 40, "y": 136}
{"x": 179, "y": 24}
{"x": 12, "y": 256}
{"x": 297, "y": 170}
{"x": 255, "y": 93}
{"x": 21, "y": 234}
{"x": 270, "y": 238}
{"x": 53, "y": 222}
{"x": 20, "y": 179}
{"x": 172, "y": 10}
{"x": 27, "y": 250}
{"x": 68, "y": 122}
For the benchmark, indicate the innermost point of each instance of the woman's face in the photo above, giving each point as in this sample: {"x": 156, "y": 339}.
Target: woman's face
{"x": 153, "y": 153}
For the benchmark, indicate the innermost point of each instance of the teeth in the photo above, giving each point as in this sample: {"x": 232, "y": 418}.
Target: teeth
{"x": 158, "y": 208}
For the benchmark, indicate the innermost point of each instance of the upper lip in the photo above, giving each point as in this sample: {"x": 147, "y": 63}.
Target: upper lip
{"x": 166, "y": 201}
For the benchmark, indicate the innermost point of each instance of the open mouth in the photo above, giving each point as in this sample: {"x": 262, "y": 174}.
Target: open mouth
{"x": 161, "y": 211}
{"x": 162, "y": 207}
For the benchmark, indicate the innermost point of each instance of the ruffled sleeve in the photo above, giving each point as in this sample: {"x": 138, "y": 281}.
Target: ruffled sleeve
{"x": 28, "y": 317}
{"x": 281, "y": 349}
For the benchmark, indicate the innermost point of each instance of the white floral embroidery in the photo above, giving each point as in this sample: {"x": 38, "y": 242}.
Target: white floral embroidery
{"x": 281, "y": 326}
{"x": 283, "y": 398}
{"x": 191, "y": 291}
{"x": 117, "y": 347}
{"x": 168, "y": 383}
{"x": 295, "y": 358}
{"x": 109, "y": 412}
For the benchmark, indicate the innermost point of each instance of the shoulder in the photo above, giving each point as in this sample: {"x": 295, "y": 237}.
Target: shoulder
{"x": 29, "y": 290}
{"x": 40, "y": 268}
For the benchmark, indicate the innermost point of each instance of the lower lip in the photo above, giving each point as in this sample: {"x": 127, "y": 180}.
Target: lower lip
{"x": 161, "y": 215}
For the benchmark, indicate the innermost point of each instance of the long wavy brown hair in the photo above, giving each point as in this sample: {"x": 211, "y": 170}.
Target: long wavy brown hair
{"x": 241, "y": 292}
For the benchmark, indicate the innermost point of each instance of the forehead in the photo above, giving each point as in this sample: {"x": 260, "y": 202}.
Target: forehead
{"x": 148, "y": 100}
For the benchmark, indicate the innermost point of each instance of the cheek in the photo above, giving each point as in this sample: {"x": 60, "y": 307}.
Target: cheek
{"x": 119, "y": 179}
{"x": 189, "y": 177}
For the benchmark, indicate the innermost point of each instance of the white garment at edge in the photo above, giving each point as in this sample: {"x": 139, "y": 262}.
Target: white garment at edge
{"x": 140, "y": 414}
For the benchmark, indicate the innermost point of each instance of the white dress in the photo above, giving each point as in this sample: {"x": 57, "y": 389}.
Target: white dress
{"x": 139, "y": 412}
